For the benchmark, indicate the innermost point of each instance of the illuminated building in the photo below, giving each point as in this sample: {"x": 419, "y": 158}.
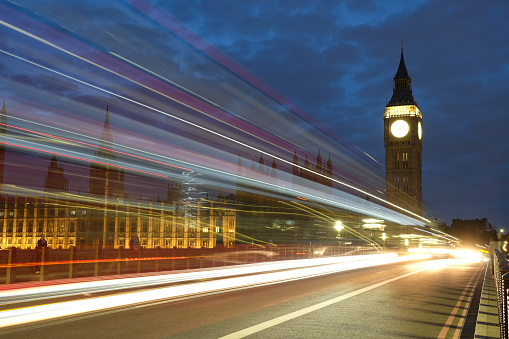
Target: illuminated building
{"x": 403, "y": 144}
{"x": 69, "y": 220}
{"x": 265, "y": 217}
{"x": 106, "y": 217}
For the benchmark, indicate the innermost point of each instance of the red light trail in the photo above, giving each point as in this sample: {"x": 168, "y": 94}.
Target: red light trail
{"x": 87, "y": 144}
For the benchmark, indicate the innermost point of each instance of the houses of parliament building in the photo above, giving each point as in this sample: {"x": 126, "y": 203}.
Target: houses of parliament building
{"x": 105, "y": 216}
{"x": 109, "y": 218}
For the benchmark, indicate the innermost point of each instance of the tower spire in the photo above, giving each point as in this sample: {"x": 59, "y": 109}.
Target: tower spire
{"x": 402, "y": 91}
{"x": 106, "y": 141}
{"x": 402, "y": 73}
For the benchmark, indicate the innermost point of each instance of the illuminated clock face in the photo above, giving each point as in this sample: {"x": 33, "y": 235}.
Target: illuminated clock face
{"x": 399, "y": 128}
{"x": 419, "y": 130}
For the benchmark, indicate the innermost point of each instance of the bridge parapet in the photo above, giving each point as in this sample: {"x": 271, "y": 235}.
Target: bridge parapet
{"x": 501, "y": 275}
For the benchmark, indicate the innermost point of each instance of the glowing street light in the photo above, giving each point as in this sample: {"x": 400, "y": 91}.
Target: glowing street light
{"x": 339, "y": 226}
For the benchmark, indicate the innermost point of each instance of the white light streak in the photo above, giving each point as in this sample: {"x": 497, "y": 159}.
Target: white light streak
{"x": 57, "y": 310}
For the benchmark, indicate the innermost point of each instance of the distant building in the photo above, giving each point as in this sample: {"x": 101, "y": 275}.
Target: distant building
{"x": 474, "y": 231}
{"x": 321, "y": 172}
{"x": 69, "y": 221}
{"x": 105, "y": 217}
{"x": 265, "y": 218}
{"x": 55, "y": 179}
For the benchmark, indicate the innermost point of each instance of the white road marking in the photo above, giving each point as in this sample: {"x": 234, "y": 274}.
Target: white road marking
{"x": 276, "y": 321}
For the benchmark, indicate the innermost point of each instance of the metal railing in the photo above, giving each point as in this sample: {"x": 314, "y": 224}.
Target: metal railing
{"x": 500, "y": 266}
{"x": 17, "y": 265}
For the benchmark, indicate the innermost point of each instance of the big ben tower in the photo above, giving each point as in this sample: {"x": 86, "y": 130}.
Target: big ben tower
{"x": 403, "y": 144}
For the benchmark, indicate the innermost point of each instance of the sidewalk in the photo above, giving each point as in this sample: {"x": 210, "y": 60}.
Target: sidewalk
{"x": 487, "y": 319}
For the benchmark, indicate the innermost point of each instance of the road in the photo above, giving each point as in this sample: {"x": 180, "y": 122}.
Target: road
{"x": 417, "y": 299}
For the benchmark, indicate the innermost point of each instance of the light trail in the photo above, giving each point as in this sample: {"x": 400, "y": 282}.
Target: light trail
{"x": 83, "y": 159}
{"x": 447, "y": 237}
{"x": 44, "y": 292}
{"x": 95, "y": 146}
{"x": 349, "y": 229}
{"x": 317, "y": 195}
{"x": 63, "y": 309}
{"x": 173, "y": 116}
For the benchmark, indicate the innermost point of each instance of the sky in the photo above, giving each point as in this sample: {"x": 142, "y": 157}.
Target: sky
{"x": 337, "y": 60}
{"x": 334, "y": 59}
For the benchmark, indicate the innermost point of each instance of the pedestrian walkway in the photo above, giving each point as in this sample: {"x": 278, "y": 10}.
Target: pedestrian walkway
{"x": 488, "y": 325}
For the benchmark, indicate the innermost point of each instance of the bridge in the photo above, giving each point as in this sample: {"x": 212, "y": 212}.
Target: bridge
{"x": 182, "y": 196}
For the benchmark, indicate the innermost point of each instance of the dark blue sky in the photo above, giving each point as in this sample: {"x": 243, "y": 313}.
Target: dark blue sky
{"x": 336, "y": 60}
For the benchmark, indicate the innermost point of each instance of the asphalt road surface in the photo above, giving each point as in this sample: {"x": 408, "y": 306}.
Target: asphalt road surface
{"x": 418, "y": 299}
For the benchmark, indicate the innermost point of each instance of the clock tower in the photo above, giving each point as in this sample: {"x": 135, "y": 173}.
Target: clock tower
{"x": 403, "y": 144}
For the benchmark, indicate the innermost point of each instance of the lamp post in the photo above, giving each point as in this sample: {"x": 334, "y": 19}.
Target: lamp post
{"x": 339, "y": 226}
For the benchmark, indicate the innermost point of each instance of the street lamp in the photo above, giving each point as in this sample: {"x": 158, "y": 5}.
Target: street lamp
{"x": 339, "y": 226}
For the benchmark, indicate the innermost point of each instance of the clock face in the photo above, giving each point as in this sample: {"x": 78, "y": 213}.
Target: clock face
{"x": 419, "y": 130}
{"x": 399, "y": 128}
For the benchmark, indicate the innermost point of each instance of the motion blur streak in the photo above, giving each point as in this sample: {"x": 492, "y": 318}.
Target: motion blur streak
{"x": 57, "y": 310}
{"x": 94, "y": 146}
{"x": 42, "y": 292}
{"x": 78, "y": 158}
{"x": 247, "y": 145}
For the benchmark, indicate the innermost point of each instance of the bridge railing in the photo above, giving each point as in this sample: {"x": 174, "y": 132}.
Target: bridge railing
{"x": 17, "y": 265}
{"x": 501, "y": 275}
